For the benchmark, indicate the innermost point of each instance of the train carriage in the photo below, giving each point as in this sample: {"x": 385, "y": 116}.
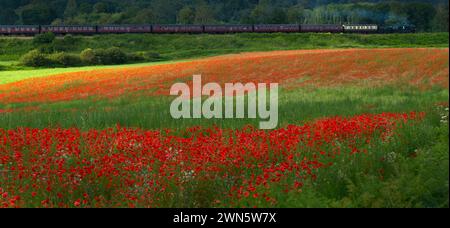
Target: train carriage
{"x": 65, "y": 29}
{"x": 360, "y": 28}
{"x": 276, "y": 28}
{"x": 19, "y": 29}
{"x": 177, "y": 28}
{"x": 197, "y": 29}
{"x": 321, "y": 28}
{"x": 228, "y": 28}
{"x": 124, "y": 28}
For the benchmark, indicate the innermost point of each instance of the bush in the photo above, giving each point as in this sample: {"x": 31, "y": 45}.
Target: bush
{"x": 104, "y": 56}
{"x": 135, "y": 57}
{"x": 35, "y": 58}
{"x": 68, "y": 43}
{"x": 113, "y": 55}
{"x": 152, "y": 56}
{"x": 89, "y": 57}
{"x": 44, "y": 38}
{"x": 66, "y": 60}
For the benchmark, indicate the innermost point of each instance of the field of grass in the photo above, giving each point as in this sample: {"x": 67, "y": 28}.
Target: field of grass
{"x": 357, "y": 128}
{"x": 173, "y": 47}
{"x": 24, "y": 73}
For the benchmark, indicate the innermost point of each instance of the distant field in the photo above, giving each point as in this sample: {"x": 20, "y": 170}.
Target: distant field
{"x": 172, "y": 47}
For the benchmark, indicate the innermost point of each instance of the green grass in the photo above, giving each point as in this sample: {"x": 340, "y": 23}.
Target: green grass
{"x": 17, "y": 75}
{"x": 172, "y": 47}
{"x": 295, "y": 107}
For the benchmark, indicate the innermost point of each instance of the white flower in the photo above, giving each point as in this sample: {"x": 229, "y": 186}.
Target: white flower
{"x": 391, "y": 157}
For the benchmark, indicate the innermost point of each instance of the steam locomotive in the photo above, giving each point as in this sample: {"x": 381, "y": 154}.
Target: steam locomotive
{"x": 197, "y": 29}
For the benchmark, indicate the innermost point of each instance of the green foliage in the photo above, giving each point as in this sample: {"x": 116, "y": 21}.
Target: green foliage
{"x": 108, "y": 56}
{"x": 35, "y": 58}
{"x": 65, "y": 60}
{"x": 112, "y": 56}
{"x": 426, "y": 15}
{"x": 61, "y": 45}
{"x": 152, "y": 56}
{"x": 71, "y": 9}
{"x": 44, "y": 38}
{"x": 173, "y": 47}
{"x": 136, "y": 57}
{"x": 88, "y": 57}
{"x": 186, "y": 15}
{"x": 39, "y": 13}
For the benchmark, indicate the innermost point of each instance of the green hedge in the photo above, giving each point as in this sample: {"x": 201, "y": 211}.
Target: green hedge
{"x": 88, "y": 57}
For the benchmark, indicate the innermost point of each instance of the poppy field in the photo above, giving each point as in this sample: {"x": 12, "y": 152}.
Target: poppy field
{"x": 357, "y": 128}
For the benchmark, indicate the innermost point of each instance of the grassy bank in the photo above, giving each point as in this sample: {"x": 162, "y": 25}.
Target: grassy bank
{"x": 171, "y": 47}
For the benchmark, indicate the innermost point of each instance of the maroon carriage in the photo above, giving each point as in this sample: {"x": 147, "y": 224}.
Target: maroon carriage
{"x": 64, "y": 29}
{"x": 322, "y": 28}
{"x": 276, "y": 28}
{"x": 228, "y": 28}
{"x": 124, "y": 29}
{"x": 19, "y": 29}
{"x": 177, "y": 28}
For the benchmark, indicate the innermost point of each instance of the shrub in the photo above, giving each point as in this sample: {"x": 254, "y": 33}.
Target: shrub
{"x": 88, "y": 56}
{"x": 113, "y": 55}
{"x": 44, "y": 38}
{"x": 68, "y": 43}
{"x": 104, "y": 56}
{"x": 66, "y": 60}
{"x": 35, "y": 58}
{"x": 69, "y": 40}
{"x": 135, "y": 57}
{"x": 152, "y": 56}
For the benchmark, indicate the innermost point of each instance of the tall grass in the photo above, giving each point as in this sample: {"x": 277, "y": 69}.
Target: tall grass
{"x": 295, "y": 106}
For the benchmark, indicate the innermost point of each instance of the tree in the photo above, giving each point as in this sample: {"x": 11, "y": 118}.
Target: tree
{"x": 440, "y": 21}
{"x": 260, "y": 14}
{"x": 145, "y": 16}
{"x": 204, "y": 14}
{"x": 420, "y": 15}
{"x": 100, "y": 7}
{"x": 71, "y": 9}
{"x": 39, "y": 14}
{"x": 278, "y": 16}
{"x": 186, "y": 16}
{"x": 295, "y": 14}
{"x": 85, "y": 8}
{"x": 8, "y": 16}
{"x": 166, "y": 11}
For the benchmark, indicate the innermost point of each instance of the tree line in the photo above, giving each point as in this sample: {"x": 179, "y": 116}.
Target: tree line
{"x": 426, "y": 15}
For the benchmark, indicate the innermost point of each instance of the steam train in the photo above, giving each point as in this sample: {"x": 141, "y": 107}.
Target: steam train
{"x": 197, "y": 29}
